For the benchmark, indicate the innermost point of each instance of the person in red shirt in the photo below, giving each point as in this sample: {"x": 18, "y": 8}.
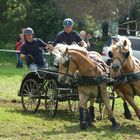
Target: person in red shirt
{"x": 19, "y": 44}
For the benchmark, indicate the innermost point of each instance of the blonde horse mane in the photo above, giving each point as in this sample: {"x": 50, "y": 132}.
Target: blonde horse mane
{"x": 62, "y": 48}
{"x": 124, "y": 43}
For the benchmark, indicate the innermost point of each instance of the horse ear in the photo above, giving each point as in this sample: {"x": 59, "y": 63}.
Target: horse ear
{"x": 66, "y": 52}
{"x": 125, "y": 43}
{"x": 110, "y": 54}
{"x": 126, "y": 54}
{"x": 113, "y": 42}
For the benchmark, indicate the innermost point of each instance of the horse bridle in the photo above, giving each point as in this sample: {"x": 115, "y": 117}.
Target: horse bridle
{"x": 122, "y": 63}
{"x": 67, "y": 65}
{"x": 119, "y": 60}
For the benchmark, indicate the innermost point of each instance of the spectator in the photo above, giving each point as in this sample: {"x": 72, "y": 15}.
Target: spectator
{"x": 88, "y": 39}
{"x": 19, "y": 43}
{"x": 33, "y": 51}
{"x": 83, "y": 35}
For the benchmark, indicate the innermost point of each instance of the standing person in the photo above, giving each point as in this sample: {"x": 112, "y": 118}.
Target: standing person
{"x": 68, "y": 35}
{"x": 33, "y": 51}
{"x": 19, "y": 43}
{"x": 88, "y": 39}
{"x": 91, "y": 41}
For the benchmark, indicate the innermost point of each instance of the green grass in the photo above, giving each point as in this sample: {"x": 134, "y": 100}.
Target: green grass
{"x": 10, "y": 76}
{"x": 15, "y": 124}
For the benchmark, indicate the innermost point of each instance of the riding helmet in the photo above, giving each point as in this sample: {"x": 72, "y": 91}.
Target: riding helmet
{"x": 68, "y": 22}
{"x": 28, "y": 31}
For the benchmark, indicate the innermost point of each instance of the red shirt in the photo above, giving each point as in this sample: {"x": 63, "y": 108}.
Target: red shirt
{"x": 18, "y": 45}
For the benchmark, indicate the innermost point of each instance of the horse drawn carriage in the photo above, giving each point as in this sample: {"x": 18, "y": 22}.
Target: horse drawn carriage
{"x": 44, "y": 85}
{"x": 50, "y": 84}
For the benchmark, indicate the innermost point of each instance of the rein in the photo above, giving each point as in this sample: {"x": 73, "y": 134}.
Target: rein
{"x": 87, "y": 81}
{"x": 52, "y": 72}
{"x": 67, "y": 65}
{"x": 127, "y": 78}
{"x": 83, "y": 80}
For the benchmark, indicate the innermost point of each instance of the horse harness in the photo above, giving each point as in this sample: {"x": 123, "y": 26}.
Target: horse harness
{"x": 128, "y": 78}
{"x": 87, "y": 81}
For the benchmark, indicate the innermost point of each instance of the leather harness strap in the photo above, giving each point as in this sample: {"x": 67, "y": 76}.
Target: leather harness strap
{"x": 128, "y": 78}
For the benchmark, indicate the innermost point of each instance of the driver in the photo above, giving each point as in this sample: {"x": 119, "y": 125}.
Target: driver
{"x": 33, "y": 51}
{"x": 68, "y": 35}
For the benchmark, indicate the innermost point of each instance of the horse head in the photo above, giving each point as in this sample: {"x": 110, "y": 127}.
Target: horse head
{"x": 119, "y": 53}
{"x": 67, "y": 67}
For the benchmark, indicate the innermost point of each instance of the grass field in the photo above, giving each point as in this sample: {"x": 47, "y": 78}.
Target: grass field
{"x": 15, "y": 124}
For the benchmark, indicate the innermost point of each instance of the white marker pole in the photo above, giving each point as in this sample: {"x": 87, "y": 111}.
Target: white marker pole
{"x": 4, "y": 50}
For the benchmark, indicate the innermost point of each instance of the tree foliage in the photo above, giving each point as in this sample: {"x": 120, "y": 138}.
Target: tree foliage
{"x": 42, "y": 15}
{"x": 46, "y": 16}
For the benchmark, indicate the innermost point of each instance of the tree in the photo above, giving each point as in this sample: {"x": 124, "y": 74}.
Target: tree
{"x": 42, "y": 15}
{"x": 45, "y": 18}
{"x": 99, "y": 10}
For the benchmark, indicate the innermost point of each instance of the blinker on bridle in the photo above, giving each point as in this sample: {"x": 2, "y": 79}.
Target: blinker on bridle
{"x": 67, "y": 64}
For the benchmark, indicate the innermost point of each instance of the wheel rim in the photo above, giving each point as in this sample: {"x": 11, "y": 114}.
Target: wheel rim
{"x": 101, "y": 110}
{"x": 73, "y": 105}
{"x": 30, "y": 95}
{"x": 111, "y": 96}
{"x": 51, "y": 100}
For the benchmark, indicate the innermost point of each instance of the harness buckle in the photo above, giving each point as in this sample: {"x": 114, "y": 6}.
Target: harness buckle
{"x": 125, "y": 79}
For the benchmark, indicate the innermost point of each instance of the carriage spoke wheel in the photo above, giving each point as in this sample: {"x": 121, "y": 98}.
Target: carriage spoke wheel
{"x": 101, "y": 110}
{"x": 111, "y": 95}
{"x": 73, "y": 105}
{"x": 30, "y": 95}
{"x": 51, "y": 98}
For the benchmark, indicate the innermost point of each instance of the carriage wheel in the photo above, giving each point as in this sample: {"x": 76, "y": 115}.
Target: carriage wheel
{"x": 73, "y": 105}
{"x": 111, "y": 95}
{"x": 51, "y": 98}
{"x": 30, "y": 95}
{"x": 101, "y": 110}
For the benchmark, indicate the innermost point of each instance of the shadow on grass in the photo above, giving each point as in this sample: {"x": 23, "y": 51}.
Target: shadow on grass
{"x": 60, "y": 115}
{"x": 73, "y": 128}
{"x": 104, "y": 130}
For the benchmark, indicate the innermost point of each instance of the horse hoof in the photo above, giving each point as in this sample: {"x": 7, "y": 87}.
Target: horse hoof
{"x": 115, "y": 127}
{"x": 83, "y": 126}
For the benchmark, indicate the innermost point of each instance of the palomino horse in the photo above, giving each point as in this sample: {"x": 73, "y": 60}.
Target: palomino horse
{"x": 125, "y": 70}
{"x": 76, "y": 58}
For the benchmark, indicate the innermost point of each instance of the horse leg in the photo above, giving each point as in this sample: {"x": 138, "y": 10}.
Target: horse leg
{"x": 91, "y": 111}
{"x": 131, "y": 101}
{"x": 109, "y": 111}
{"x": 83, "y": 112}
{"x": 127, "y": 113}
